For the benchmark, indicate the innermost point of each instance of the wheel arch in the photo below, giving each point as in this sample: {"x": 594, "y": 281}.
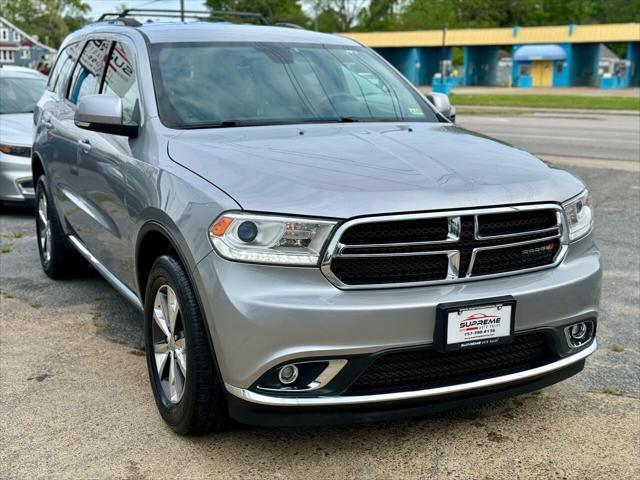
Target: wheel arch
{"x": 154, "y": 230}
{"x": 155, "y": 239}
{"x": 37, "y": 168}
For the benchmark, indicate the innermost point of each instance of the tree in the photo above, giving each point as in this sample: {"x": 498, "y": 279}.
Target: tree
{"x": 337, "y": 15}
{"x": 274, "y": 11}
{"x": 379, "y": 15}
{"x": 430, "y": 14}
{"x": 50, "y": 20}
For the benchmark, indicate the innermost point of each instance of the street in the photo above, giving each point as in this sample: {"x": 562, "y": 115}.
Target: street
{"x": 596, "y": 135}
{"x": 76, "y": 402}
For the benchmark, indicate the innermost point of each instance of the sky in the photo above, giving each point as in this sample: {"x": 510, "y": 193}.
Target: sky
{"x": 98, "y": 7}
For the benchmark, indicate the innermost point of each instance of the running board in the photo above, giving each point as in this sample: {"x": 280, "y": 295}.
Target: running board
{"x": 108, "y": 276}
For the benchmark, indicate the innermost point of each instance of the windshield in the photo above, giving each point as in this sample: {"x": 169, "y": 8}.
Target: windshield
{"x": 20, "y": 94}
{"x": 200, "y": 85}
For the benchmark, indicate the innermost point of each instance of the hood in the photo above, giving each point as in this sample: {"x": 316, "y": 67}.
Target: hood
{"x": 346, "y": 170}
{"x": 16, "y": 128}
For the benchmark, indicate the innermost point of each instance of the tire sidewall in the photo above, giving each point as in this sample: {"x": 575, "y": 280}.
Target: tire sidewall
{"x": 163, "y": 273}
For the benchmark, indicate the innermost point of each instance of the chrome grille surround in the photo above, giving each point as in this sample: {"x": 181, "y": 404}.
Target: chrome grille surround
{"x": 335, "y": 248}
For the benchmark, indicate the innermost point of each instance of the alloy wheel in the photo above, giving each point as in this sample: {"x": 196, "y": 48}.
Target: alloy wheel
{"x": 169, "y": 344}
{"x": 44, "y": 228}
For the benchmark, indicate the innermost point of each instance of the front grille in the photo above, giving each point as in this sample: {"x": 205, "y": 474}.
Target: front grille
{"x": 371, "y": 252}
{"x": 515, "y": 222}
{"x": 515, "y": 258}
{"x": 367, "y": 270}
{"x": 422, "y": 230}
{"x": 425, "y": 368}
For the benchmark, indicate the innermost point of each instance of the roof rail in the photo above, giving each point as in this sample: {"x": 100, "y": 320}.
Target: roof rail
{"x": 126, "y": 16}
{"x": 289, "y": 25}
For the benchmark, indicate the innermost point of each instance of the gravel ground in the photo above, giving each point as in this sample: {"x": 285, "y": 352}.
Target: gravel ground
{"x": 75, "y": 400}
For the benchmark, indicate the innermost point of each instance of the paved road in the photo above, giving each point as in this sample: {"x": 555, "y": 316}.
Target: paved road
{"x": 75, "y": 400}
{"x": 611, "y": 137}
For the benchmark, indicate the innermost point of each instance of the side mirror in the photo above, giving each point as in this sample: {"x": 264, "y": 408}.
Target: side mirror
{"x": 103, "y": 113}
{"x": 443, "y": 105}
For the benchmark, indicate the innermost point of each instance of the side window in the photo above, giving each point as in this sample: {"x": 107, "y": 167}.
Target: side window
{"x": 66, "y": 61}
{"x": 55, "y": 71}
{"x": 87, "y": 74}
{"x": 121, "y": 80}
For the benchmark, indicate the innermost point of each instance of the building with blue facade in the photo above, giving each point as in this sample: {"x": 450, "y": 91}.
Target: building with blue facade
{"x": 556, "y": 56}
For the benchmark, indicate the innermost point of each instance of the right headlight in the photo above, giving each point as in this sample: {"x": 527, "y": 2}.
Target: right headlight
{"x": 270, "y": 239}
{"x": 579, "y": 216}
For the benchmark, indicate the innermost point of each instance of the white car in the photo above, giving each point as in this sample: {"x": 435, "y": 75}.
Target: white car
{"x": 21, "y": 88}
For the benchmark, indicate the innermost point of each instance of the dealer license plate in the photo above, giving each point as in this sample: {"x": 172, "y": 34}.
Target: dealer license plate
{"x": 478, "y": 325}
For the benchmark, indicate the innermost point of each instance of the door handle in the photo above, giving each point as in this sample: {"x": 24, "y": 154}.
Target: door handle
{"x": 85, "y": 145}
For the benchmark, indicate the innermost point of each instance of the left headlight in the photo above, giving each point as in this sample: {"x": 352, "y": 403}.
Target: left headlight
{"x": 16, "y": 150}
{"x": 269, "y": 239}
{"x": 579, "y": 215}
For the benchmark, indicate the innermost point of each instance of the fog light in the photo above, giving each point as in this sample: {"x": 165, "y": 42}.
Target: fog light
{"x": 288, "y": 374}
{"x": 578, "y": 331}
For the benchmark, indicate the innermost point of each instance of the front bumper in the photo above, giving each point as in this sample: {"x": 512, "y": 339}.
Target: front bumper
{"x": 16, "y": 182}
{"x": 251, "y": 412}
{"x": 260, "y": 317}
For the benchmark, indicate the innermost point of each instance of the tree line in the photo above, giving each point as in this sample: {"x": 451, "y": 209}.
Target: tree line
{"x": 52, "y": 20}
{"x": 385, "y": 15}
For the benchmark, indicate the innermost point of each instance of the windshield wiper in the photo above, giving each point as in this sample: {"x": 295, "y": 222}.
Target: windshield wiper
{"x": 348, "y": 119}
{"x": 222, "y": 124}
{"x": 229, "y": 123}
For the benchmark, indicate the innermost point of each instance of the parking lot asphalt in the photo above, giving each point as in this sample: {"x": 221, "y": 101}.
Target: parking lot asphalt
{"x": 75, "y": 400}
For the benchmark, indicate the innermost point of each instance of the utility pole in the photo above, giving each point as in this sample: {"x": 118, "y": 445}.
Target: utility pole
{"x": 182, "y": 10}
{"x": 442, "y": 55}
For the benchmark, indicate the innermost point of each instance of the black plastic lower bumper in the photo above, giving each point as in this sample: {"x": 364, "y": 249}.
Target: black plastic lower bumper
{"x": 255, "y": 414}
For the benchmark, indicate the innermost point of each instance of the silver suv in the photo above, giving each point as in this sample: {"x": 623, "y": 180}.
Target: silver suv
{"x": 311, "y": 240}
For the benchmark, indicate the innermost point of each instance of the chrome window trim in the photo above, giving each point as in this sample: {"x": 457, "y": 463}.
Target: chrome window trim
{"x": 289, "y": 401}
{"x": 334, "y": 247}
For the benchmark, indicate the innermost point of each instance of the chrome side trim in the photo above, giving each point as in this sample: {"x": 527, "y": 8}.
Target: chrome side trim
{"x": 261, "y": 399}
{"x": 335, "y": 247}
{"x": 108, "y": 276}
{"x": 81, "y": 204}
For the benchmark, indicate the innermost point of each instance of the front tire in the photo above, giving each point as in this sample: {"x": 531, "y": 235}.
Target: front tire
{"x": 181, "y": 366}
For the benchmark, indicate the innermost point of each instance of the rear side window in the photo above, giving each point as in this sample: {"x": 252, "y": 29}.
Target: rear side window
{"x": 87, "y": 74}
{"x": 120, "y": 79}
{"x": 65, "y": 62}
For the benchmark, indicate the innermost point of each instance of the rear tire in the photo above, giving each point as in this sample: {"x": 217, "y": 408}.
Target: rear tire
{"x": 58, "y": 257}
{"x": 181, "y": 366}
